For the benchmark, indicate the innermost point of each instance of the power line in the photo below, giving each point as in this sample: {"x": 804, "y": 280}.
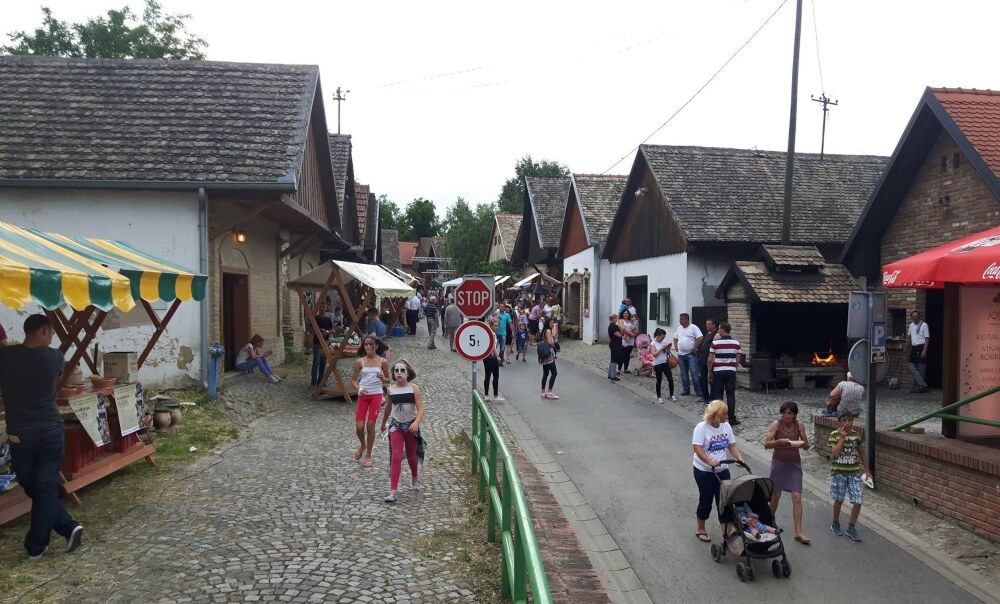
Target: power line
{"x": 819, "y": 63}
{"x": 431, "y": 77}
{"x": 703, "y": 86}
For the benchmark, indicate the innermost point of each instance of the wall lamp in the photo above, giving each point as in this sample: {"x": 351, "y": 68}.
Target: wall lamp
{"x": 239, "y": 235}
{"x": 641, "y": 191}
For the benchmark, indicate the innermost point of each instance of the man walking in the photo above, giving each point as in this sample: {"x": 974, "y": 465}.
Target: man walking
{"x": 687, "y": 343}
{"x": 29, "y": 374}
{"x": 325, "y": 325}
{"x": 706, "y": 347}
{"x": 723, "y": 357}
{"x": 452, "y": 321}
{"x": 431, "y": 314}
{"x": 412, "y": 311}
{"x": 918, "y": 336}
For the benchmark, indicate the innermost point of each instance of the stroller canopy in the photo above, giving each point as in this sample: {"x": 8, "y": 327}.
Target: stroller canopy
{"x": 746, "y": 489}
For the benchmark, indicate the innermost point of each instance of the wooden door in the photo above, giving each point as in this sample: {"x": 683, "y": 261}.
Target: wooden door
{"x": 235, "y": 314}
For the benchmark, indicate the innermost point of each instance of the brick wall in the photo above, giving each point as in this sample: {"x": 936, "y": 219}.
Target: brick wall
{"x": 926, "y": 220}
{"x": 952, "y": 479}
{"x": 744, "y": 330}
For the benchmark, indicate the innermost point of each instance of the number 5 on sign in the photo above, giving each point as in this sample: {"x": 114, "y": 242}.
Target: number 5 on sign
{"x": 475, "y": 340}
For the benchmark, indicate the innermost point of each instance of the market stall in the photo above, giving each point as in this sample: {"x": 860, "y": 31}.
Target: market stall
{"x": 90, "y": 277}
{"x": 534, "y": 286}
{"x": 370, "y": 281}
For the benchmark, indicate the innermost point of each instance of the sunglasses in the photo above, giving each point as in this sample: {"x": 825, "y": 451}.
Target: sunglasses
{"x": 399, "y": 370}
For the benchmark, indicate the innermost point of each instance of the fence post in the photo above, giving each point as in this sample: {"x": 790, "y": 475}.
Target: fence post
{"x": 491, "y": 512}
{"x": 482, "y": 452}
{"x": 475, "y": 434}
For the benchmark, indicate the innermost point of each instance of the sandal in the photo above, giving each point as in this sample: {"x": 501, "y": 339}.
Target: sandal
{"x": 803, "y": 540}
{"x": 357, "y": 453}
{"x": 368, "y": 463}
{"x": 703, "y": 537}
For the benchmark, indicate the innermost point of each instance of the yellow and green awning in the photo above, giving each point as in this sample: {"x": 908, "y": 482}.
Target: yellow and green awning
{"x": 51, "y": 269}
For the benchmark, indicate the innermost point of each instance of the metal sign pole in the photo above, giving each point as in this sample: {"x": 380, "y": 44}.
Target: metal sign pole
{"x": 473, "y": 376}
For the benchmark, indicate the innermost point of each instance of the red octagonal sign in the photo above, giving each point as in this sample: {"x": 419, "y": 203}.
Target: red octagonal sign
{"x": 474, "y": 296}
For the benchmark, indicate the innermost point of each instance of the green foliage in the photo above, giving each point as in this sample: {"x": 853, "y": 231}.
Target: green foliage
{"x": 419, "y": 220}
{"x": 497, "y": 267}
{"x": 389, "y": 213}
{"x": 467, "y": 240}
{"x": 511, "y": 199}
{"x": 119, "y": 35}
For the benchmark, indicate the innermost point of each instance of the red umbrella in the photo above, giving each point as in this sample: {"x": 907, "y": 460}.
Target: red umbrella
{"x": 974, "y": 260}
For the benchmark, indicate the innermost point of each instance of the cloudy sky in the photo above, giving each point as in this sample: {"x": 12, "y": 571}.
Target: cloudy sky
{"x": 446, "y": 96}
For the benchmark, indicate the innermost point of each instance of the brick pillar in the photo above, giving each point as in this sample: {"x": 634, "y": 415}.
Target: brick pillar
{"x": 738, "y": 310}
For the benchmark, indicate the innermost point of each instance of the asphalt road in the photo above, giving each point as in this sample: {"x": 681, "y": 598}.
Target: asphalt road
{"x": 631, "y": 460}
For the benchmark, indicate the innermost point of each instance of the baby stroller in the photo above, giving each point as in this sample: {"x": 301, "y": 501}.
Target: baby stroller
{"x": 645, "y": 355}
{"x": 755, "y": 491}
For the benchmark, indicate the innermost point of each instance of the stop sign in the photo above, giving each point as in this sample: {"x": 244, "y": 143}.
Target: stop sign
{"x": 474, "y": 297}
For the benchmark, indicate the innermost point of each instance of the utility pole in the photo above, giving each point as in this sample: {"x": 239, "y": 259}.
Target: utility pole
{"x": 825, "y": 100}
{"x": 786, "y": 222}
{"x": 339, "y": 97}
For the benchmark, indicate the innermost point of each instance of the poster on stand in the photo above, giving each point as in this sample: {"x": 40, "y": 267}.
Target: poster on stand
{"x": 92, "y": 413}
{"x": 128, "y": 401}
{"x": 979, "y": 351}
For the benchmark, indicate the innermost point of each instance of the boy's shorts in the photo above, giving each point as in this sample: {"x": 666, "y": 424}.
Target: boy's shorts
{"x": 842, "y": 484}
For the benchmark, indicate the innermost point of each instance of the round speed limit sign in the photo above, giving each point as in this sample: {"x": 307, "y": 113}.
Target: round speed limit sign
{"x": 475, "y": 340}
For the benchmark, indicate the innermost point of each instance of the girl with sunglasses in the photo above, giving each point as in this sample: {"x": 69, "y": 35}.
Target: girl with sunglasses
{"x": 406, "y": 410}
{"x": 371, "y": 371}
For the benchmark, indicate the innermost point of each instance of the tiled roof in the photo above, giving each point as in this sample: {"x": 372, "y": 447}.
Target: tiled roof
{"x": 792, "y": 256}
{"x": 153, "y": 120}
{"x": 361, "y": 194}
{"x": 738, "y": 195}
{"x": 977, "y": 114}
{"x": 407, "y": 250}
{"x": 391, "y": 248}
{"x": 508, "y": 225}
{"x": 340, "y": 156}
{"x": 599, "y": 197}
{"x": 832, "y": 284}
{"x": 371, "y": 225}
{"x": 548, "y": 198}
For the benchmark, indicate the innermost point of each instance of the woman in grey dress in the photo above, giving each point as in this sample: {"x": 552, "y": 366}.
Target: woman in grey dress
{"x": 786, "y": 436}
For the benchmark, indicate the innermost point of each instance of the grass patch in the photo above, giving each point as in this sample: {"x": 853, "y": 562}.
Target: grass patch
{"x": 295, "y": 357}
{"x": 106, "y": 502}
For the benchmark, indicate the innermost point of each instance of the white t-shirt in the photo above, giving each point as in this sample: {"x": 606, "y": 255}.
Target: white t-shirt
{"x": 919, "y": 332}
{"x": 413, "y": 303}
{"x": 686, "y": 337}
{"x": 660, "y": 351}
{"x": 244, "y": 355}
{"x": 716, "y": 443}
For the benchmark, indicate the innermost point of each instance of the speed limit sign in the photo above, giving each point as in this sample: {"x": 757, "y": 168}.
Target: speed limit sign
{"x": 475, "y": 340}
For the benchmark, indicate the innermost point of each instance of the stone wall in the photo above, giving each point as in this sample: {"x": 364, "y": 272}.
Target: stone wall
{"x": 952, "y": 479}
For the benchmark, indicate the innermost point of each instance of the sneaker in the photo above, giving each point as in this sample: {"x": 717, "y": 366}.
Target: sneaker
{"x": 274, "y": 379}
{"x": 835, "y": 528}
{"x": 853, "y": 533}
{"x": 488, "y": 399}
{"x": 734, "y": 422}
{"x": 552, "y": 395}
{"x": 390, "y": 498}
{"x": 417, "y": 486}
{"x": 75, "y": 538}
{"x": 545, "y": 395}
{"x": 498, "y": 399}
{"x": 524, "y": 360}
{"x": 659, "y": 400}
{"x": 673, "y": 398}
{"x": 615, "y": 379}
{"x": 39, "y": 554}
{"x": 685, "y": 394}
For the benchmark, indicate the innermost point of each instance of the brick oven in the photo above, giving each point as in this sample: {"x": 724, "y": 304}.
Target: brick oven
{"x": 788, "y": 309}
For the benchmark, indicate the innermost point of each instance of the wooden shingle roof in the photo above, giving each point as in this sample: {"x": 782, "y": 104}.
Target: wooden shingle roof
{"x": 830, "y": 284}
{"x": 340, "y": 156}
{"x": 361, "y": 194}
{"x": 599, "y": 196}
{"x": 792, "y": 256}
{"x": 390, "y": 248}
{"x": 723, "y": 195}
{"x": 154, "y": 120}
{"x": 548, "y": 198}
{"x": 508, "y": 225}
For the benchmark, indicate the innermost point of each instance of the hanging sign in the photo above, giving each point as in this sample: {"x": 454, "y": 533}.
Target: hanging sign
{"x": 92, "y": 413}
{"x": 128, "y": 402}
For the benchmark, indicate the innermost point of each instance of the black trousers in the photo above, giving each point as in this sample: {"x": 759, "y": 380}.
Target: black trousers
{"x": 491, "y": 369}
{"x": 725, "y": 381}
{"x": 411, "y": 320}
{"x": 661, "y": 370}
{"x": 549, "y": 371}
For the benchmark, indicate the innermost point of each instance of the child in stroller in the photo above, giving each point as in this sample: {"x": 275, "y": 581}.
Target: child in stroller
{"x": 645, "y": 355}
{"x": 752, "y": 527}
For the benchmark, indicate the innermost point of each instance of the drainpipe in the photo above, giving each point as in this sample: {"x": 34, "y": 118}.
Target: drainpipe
{"x": 595, "y": 309}
{"x": 203, "y": 269}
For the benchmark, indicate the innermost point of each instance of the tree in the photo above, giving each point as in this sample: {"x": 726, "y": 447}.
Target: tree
{"x": 119, "y": 35}
{"x": 389, "y": 213}
{"x": 467, "y": 235}
{"x": 511, "y": 199}
{"x": 419, "y": 220}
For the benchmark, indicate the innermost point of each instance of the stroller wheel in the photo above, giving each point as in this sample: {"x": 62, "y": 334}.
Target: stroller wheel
{"x": 741, "y": 571}
{"x": 750, "y": 575}
{"x": 717, "y": 553}
{"x": 776, "y": 569}
{"x": 636, "y": 371}
{"x": 786, "y": 568}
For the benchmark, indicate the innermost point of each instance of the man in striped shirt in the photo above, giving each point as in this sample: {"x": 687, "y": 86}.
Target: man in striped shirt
{"x": 723, "y": 358}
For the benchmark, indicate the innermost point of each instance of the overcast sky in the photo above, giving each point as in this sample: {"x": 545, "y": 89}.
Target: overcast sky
{"x": 446, "y": 96}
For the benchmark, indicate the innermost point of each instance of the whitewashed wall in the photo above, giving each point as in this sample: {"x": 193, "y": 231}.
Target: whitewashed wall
{"x": 662, "y": 271}
{"x": 585, "y": 261}
{"x": 164, "y": 224}
{"x": 705, "y": 270}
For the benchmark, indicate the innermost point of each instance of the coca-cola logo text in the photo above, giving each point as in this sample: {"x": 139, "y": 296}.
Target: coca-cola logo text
{"x": 992, "y": 272}
{"x": 890, "y": 278}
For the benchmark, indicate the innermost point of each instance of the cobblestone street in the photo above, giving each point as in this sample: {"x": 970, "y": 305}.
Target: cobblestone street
{"x": 286, "y": 514}
{"x": 757, "y": 410}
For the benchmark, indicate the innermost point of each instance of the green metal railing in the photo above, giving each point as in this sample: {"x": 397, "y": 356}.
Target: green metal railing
{"x": 522, "y": 561}
{"x": 945, "y": 412}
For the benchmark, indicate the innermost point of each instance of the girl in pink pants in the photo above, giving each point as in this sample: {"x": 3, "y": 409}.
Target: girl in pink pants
{"x": 406, "y": 410}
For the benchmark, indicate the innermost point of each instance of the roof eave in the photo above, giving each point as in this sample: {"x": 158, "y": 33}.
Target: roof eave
{"x": 285, "y": 184}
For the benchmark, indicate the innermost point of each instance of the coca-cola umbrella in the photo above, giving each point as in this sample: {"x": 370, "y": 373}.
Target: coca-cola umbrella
{"x": 973, "y": 260}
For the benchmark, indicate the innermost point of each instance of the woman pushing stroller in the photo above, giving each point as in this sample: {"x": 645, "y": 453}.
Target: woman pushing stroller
{"x": 713, "y": 441}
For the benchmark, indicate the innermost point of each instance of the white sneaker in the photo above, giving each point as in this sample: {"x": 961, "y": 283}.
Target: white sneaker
{"x": 390, "y": 498}
{"x": 659, "y": 400}
{"x": 417, "y": 486}
{"x": 488, "y": 399}
{"x": 673, "y": 398}
{"x": 275, "y": 379}
{"x": 498, "y": 398}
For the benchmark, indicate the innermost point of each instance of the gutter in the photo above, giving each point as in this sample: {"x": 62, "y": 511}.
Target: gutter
{"x": 203, "y": 269}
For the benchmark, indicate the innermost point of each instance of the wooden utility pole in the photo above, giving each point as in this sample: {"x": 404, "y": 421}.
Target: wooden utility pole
{"x": 825, "y": 100}
{"x": 339, "y": 97}
{"x": 786, "y": 222}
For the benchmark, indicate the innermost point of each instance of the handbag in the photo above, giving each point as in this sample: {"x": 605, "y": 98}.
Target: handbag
{"x": 672, "y": 361}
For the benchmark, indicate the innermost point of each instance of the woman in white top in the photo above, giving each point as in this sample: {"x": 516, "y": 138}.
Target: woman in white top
{"x": 406, "y": 410}
{"x": 629, "y": 329}
{"x": 713, "y": 441}
{"x": 253, "y": 357}
{"x": 371, "y": 371}
{"x": 661, "y": 362}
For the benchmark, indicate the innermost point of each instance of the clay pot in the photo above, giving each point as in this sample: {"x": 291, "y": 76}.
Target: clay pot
{"x": 176, "y": 417}
{"x": 161, "y": 419}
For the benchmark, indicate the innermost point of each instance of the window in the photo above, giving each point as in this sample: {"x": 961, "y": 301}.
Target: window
{"x": 659, "y": 306}
{"x": 585, "y": 294}
{"x": 944, "y": 163}
{"x": 956, "y": 160}
{"x": 897, "y": 322}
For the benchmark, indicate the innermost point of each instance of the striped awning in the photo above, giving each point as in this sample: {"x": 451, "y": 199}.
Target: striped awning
{"x": 50, "y": 268}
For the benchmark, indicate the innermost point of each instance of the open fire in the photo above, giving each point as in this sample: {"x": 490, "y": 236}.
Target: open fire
{"x": 828, "y": 359}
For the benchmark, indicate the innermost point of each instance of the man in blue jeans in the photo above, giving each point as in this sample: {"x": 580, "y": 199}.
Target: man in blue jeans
{"x": 29, "y": 374}
{"x": 318, "y": 346}
{"x": 687, "y": 343}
